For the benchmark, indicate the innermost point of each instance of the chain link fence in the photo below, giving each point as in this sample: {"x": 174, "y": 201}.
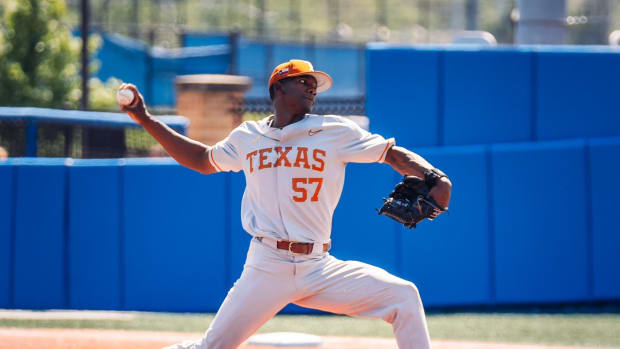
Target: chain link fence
{"x": 163, "y": 22}
{"x": 323, "y": 106}
{"x": 13, "y": 137}
{"x": 258, "y": 108}
{"x": 38, "y": 132}
{"x": 75, "y": 141}
{"x": 93, "y": 138}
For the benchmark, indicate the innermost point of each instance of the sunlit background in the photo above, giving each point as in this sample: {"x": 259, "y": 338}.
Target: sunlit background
{"x": 163, "y": 22}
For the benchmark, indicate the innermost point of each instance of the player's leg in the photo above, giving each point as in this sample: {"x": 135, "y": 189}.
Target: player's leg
{"x": 264, "y": 288}
{"x": 359, "y": 289}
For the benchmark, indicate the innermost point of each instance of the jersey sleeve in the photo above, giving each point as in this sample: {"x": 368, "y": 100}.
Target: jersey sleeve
{"x": 362, "y": 146}
{"x": 224, "y": 155}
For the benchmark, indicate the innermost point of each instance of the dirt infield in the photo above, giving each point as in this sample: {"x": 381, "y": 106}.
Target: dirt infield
{"x": 11, "y": 338}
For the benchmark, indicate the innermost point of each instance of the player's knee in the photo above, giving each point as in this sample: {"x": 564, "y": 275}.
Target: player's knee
{"x": 408, "y": 292}
{"x": 407, "y": 303}
{"x": 411, "y": 304}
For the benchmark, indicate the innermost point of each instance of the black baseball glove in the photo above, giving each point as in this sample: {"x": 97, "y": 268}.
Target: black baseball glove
{"x": 410, "y": 202}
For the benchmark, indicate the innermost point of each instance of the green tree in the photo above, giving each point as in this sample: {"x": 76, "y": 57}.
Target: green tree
{"x": 40, "y": 58}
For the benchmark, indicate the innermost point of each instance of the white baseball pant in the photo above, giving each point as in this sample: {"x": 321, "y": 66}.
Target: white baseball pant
{"x": 273, "y": 278}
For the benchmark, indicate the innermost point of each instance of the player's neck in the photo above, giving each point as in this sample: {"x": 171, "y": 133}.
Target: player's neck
{"x": 281, "y": 119}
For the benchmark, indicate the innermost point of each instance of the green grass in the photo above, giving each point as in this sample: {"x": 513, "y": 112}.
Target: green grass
{"x": 579, "y": 330}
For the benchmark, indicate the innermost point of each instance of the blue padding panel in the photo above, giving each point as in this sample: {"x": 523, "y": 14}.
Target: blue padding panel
{"x": 402, "y": 93}
{"x": 215, "y": 63}
{"x": 487, "y": 96}
{"x": 125, "y": 59}
{"x": 346, "y": 67}
{"x": 175, "y": 252}
{"x": 605, "y": 169}
{"x": 448, "y": 258}
{"x": 167, "y": 68}
{"x": 6, "y": 219}
{"x": 283, "y": 52}
{"x": 253, "y": 62}
{"x": 39, "y": 237}
{"x": 358, "y": 233}
{"x": 204, "y": 39}
{"x": 94, "y": 228}
{"x": 579, "y": 102}
{"x": 540, "y": 222}
{"x": 153, "y": 70}
{"x": 162, "y": 88}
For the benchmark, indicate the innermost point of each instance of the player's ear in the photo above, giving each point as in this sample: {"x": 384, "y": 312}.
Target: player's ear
{"x": 279, "y": 87}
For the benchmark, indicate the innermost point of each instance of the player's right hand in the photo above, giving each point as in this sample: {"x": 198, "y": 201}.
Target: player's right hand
{"x": 137, "y": 109}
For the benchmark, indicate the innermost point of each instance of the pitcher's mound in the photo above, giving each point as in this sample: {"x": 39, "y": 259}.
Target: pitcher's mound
{"x": 53, "y": 338}
{"x": 285, "y": 339}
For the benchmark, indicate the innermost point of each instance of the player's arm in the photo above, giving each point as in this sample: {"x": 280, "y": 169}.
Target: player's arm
{"x": 409, "y": 163}
{"x": 185, "y": 151}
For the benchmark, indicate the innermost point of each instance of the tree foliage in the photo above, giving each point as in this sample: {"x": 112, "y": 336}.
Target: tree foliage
{"x": 40, "y": 58}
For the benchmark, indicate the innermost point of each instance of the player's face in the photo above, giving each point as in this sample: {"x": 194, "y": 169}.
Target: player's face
{"x": 299, "y": 93}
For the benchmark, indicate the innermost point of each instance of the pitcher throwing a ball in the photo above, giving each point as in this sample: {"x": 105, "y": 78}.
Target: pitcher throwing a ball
{"x": 294, "y": 165}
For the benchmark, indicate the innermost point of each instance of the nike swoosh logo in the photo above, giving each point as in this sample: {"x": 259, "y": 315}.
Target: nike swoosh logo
{"x": 313, "y": 132}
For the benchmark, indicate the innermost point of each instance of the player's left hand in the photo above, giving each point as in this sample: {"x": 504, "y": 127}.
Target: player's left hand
{"x": 440, "y": 192}
{"x": 411, "y": 201}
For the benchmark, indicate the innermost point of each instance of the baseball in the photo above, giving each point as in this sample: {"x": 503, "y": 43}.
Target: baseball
{"x": 125, "y": 97}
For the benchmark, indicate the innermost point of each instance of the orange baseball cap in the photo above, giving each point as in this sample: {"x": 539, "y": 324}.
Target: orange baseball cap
{"x": 298, "y": 67}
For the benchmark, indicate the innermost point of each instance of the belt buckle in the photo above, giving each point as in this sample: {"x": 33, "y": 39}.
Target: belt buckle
{"x": 290, "y": 245}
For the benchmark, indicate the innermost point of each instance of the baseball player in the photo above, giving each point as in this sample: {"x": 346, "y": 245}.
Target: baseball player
{"x": 294, "y": 164}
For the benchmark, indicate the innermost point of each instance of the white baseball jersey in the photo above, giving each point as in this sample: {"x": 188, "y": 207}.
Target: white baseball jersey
{"x": 294, "y": 175}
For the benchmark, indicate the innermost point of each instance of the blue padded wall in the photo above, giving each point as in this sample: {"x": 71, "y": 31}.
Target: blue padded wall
{"x": 358, "y": 233}
{"x": 214, "y": 62}
{"x": 165, "y": 69}
{"x": 605, "y": 168}
{"x": 204, "y": 39}
{"x": 402, "y": 87}
{"x": 175, "y": 252}
{"x": 39, "y": 236}
{"x": 461, "y": 96}
{"x": 346, "y": 67}
{"x": 577, "y": 93}
{"x": 541, "y": 243}
{"x": 283, "y": 52}
{"x": 153, "y": 70}
{"x": 6, "y": 223}
{"x": 449, "y": 258}
{"x": 94, "y": 228}
{"x": 125, "y": 59}
{"x": 253, "y": 62}
{"x": 487, "y": 96}
{"x": 152, "y": 235}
